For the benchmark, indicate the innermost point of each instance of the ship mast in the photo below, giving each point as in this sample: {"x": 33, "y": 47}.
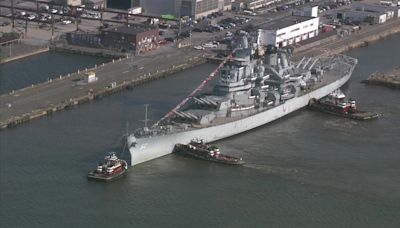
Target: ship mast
{"x": 146, "y": 120}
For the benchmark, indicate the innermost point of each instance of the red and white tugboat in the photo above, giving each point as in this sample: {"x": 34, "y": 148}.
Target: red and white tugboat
{"x": 109, "y": 169}
{"x": 336, "y": 104}
{"x": 198, "y": 149}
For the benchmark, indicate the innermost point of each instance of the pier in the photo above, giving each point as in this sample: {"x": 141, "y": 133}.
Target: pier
{"x": 70, "y": 90}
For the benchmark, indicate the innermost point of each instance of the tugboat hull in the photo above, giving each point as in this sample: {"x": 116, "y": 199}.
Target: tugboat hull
{"x": 112, "y": 168}
{"x": 195, "y": 153}
{"x": 106, "y": 178}
{"x": 358, "y": 115}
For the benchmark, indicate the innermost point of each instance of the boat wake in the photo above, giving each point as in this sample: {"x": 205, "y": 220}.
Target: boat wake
{"x": 272, "y": 169}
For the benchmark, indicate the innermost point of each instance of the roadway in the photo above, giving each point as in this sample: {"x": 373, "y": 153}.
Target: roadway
{"x": 56, "y": 91}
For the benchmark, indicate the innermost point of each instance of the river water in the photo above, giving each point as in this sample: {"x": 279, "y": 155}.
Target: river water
{"x": 308, "y": 169}
{"x": 42, "y": 67}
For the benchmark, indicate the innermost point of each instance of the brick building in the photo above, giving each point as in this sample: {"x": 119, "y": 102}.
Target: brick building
{"x": 136, "y": 38}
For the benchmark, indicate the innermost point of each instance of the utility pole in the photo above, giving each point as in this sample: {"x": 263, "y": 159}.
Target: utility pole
{"x": 52, "y": 27}
{"x": 12, "y": 15}
{"x": 26, "y": 27}
{"x": 10, "y": 49}
{"x": 180, "y": 26}
{"x": 37, "y": 11}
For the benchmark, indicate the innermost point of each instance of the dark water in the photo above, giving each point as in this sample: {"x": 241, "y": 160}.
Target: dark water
{"x": 39, "y": 68}
{"x": 305, "y": 170}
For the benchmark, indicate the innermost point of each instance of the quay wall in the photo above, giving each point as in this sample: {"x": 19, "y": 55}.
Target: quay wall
{"x": 98, "y": 94}
{"x": 365, "y": 41}
{"x": 87, "y": 51}
{"x": 30, "y": 53}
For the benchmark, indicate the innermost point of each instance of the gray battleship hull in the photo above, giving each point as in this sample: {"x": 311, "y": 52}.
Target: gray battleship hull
{"x": 150, "y": 148}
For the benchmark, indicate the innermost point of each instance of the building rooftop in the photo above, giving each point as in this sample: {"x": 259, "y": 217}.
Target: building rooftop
{"x": 129, "y": 30}
{"x": 284, "y": 22}
{"x": 373, "y": 13}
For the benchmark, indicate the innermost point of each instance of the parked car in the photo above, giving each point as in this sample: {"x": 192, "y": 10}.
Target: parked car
{"x": 66, "y": 21}
{"x": 31, "y": 17}
{"x": 210, "y": 45}
{"x": 198, "y": 47}
{"x": 170, "y": 39}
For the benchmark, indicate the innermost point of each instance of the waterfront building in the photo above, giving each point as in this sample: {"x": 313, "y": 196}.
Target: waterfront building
{"x": 201, "y": 8}
{"x": 306, "y": 11}
{"x": 353, "y": 16}
{"x": 179, "y": 8}
{"x": 69, "y": 2}
{"x": 252, "y": 4}
{"x": 389, "y": 11}
{"x": 160, "y": 7}
{"x": 136, "y": 38}
{"x": 132, "y": 39}
{"x": 95, "y": 4}
{"x": 122, "y": 4}
{"x": 362, "y": 12}
{"x": 288, "y": 30}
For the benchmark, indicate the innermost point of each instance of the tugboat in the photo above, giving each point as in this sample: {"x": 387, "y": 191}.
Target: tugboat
{"x": 109, "y": 169}
{"x": 198, "y": 149}
{"x": 336, "y": 104}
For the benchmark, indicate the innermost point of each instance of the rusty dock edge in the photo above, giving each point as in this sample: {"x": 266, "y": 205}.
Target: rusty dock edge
{"x": 98, "y": 94}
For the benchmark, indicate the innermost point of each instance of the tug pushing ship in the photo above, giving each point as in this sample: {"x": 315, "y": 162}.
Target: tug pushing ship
{"x": 337, "y": 104}
{"x": 109, "y": 169}
{"x": 197, "y": 148}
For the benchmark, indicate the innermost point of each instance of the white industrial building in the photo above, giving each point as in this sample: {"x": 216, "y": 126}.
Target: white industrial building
{"x": 390, "y": 11}
{"x": 288, "y": 30}
{"x": 306, "y": 11}
{"x": 252, "y": 4}
{"x": 362, "y": 12}
{"x": 361, "y": 16}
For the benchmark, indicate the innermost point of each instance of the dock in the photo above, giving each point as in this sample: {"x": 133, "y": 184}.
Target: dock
{"x": 70, "y": 90}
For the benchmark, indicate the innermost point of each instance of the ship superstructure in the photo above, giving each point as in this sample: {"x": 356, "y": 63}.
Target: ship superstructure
{"x": 252, "y": 89}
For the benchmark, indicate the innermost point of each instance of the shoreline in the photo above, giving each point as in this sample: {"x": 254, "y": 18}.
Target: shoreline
{"x": 355, "y": 41}
{"x": 28, "y": 54}
{"x": 390, "y": 79}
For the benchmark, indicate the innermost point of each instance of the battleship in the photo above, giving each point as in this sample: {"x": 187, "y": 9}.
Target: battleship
{"x": 256, "y": 85}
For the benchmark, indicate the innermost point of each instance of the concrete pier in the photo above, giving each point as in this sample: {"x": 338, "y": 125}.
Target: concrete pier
{"x": 69, "y": 90}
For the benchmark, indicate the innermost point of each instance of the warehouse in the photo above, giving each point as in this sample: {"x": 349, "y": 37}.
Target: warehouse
{"x": 201, "y": 8}
{"x": 130, "y": 38}
{"x": 288, "y": 30}
{"x": 371, "y": 13}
